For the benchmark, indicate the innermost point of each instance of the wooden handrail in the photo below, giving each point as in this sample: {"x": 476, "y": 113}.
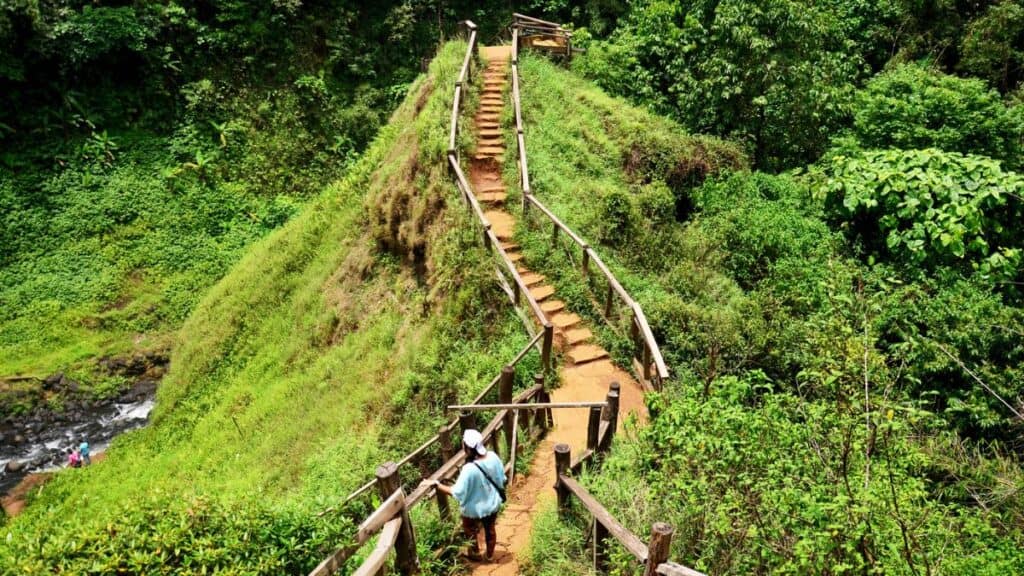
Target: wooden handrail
{"x": 384, "y": 513}
{"x": 645, "y": 328}
{"x": 629, "y": 541}
{"x": 673, "y": 569}
{"x": 561, "y": 225}
{"x": 589, "y": 254}
{"x": 376, "y": 559}
{"x": 538, "y": 312}
{"x": 612, "y": 280}
{"x": 453, "y": 132}
{"x": 538, "y": 21}
{"x": 468, "y": 192}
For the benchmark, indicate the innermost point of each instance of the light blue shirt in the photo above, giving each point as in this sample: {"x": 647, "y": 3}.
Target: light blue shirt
{"x": 477, "y": 497}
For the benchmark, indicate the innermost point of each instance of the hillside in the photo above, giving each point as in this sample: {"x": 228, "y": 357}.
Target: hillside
{"x": 324, "y": 351}
{"x": 768, "y": 256}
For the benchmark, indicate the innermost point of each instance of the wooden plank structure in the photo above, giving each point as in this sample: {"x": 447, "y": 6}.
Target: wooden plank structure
{"x": 648, "y": 363}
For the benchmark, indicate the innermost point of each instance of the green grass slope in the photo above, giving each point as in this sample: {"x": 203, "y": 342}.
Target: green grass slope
{"x": 811, "y": 425}
{"x": 327, "y": 350}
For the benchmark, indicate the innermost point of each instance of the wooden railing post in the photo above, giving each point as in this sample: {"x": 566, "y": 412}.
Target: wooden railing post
{"x": 467, "y": 420}
{"x": 608, "y": 301}
{"x": 406, "y": 561}
{"x": 508, "y": 375}
{"x": 611, "y": 416}
{"x": 562, "y": 463}
{"x": 542, "y": 418}
{"x": 554, "y": 234}
{"x": 658, "y": 547}
{"x": 586, "y": 262}
{"x": 444, "y": 439}
{"x": 600, "y": 547}
{"x": 593, "y": 427}
{"x": 645, "y": 360}
{"x": 545, "y": 352}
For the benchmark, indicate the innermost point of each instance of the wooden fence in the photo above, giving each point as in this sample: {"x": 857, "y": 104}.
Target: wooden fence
{"x": 653, "y": 555}
{"x": 648, "y": 363}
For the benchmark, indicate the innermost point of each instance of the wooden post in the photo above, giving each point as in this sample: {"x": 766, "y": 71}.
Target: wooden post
{"x": 406, "y": 561}
{"x": 515, "y": 292}
{"x": 540, "y": 419}
{"x": 487, "y": 241}
{"x": 600, "y": 547}
{"x": 545, "y": 353}
{"x": 508, "y": 375}
{"x": 554, "y": 234}
{"x": 658, "y": 547}
{"x": 444, "y": 439}
{"x": 645, "y": 359}
{"x": 467, "y": 420}
{"x": 593, "y": 427}
{"x": 608, "y": 301}
{"x": 586, "y": 262}
{"x": 562, "y": 462}
{"x": 611, "y": 416}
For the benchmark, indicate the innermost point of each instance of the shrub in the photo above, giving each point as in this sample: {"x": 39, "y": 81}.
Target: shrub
{"x": 931, "y": 207}
{"x": 911, "y": 106}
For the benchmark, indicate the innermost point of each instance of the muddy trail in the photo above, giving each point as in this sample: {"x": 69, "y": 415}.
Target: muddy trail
{"x": 587, "y": 371}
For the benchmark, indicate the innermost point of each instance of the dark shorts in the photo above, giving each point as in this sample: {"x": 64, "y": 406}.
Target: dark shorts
{"x": 472, "y": 525}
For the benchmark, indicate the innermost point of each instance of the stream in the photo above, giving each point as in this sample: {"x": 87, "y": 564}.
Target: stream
{"x": 41, "y": 443}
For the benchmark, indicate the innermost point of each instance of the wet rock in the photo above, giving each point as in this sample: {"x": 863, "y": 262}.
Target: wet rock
{"x": 18, "y": 439}
{"x": 14, "y": 466}
{"x": 53, "y": 381}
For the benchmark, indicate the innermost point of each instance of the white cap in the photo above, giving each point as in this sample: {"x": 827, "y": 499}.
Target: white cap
{"x": 474, "y": 440}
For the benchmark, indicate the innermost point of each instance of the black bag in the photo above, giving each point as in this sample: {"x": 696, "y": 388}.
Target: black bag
{"x": 501, "y": 491}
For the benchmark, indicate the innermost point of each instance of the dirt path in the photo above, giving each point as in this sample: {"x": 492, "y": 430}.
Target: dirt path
{"x": 588, "y": 371}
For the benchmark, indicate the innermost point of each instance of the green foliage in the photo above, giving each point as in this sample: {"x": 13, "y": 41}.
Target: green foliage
{"x": 931, "y": 207}
{"x": 760, "y": 482}
{"x": 911, "y": 106}
{"x": 778, "y": 75}
{"x": 992, "y": 47}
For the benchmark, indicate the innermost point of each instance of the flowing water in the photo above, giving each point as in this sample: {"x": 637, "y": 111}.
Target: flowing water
{"x": 40, "y": 445}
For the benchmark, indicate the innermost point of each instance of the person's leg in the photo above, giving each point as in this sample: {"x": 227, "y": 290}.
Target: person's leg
{"x": 491, "y": 534}
{"x": 471, "y": 527}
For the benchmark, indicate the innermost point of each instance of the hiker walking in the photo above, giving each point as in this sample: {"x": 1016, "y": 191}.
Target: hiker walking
{"x": 83, "y": 449}
{"x": 480, "y": 491}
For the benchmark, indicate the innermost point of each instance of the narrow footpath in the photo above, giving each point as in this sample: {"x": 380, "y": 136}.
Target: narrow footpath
{"x": 588, "y": 370}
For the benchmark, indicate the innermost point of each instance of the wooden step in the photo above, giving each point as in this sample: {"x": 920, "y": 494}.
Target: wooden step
{"x": 583, "y": 353}
{"x": 491, "y": 142}
{"x": 491, "y": 133}
{"x": 532, "y": 278}
{"x": 577, "y": 335}
{"x": 509, "y": 246}
{"x": 552, "y": 306}
{"x": 502, "y": 223}
{"x": 488, "y": 117}
{"x": 514, "y": 256}
{"x": 490, "y": 150}
{"x": 492, "y": 197}
{"x": 542, "y": 292}
{"x": 493, "y": 186}
{"x": 488, "y": 125}
{"x": 565, "y": 320}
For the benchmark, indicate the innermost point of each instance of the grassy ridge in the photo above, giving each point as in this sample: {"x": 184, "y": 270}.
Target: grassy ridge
{"x": 317, "y": 357}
